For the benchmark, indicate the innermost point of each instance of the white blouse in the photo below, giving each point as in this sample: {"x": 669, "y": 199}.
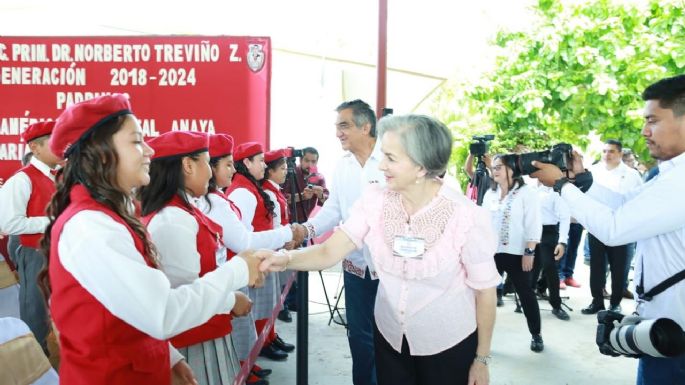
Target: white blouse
{"x": 516, "y": 218}
{"x": 120, "y": 279}
{"x": 237, "y": 237}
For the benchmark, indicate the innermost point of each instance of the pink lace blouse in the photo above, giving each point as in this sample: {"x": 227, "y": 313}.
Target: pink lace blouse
{"x": 430, "y": 300}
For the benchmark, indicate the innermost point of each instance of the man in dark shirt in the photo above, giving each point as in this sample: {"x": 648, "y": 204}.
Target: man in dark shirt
{"x": 311, "y": 186}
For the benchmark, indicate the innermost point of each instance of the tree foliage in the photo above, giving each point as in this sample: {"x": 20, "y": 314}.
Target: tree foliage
{"x": 580, "y": 67}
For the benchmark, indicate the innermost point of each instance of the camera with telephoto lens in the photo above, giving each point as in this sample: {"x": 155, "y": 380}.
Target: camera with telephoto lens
{"x": 291, "y": 152}
{"x": 480, "y": 146}
{"x": 634, "y": 336}
{"x": 560, "y": 155}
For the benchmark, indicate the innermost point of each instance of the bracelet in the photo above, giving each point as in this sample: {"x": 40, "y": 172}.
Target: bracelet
{"x": 485, "y": 360}
{"x": 311, "y": 232}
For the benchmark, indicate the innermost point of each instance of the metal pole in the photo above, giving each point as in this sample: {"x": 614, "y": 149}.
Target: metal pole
{"x": 382, "y": 56}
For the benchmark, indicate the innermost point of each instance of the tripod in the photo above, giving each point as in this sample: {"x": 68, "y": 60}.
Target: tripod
{"x": 480, "y": 181}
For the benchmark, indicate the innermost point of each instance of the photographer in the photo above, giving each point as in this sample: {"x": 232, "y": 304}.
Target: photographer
{"x": 311, "y": 185}
{"x": 652, "y": 214}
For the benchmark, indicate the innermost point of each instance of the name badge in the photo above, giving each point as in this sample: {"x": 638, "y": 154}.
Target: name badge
{"x": 408, "y": 247}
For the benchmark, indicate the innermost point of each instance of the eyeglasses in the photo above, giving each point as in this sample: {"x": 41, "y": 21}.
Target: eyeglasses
{"x": 498, "y": 167}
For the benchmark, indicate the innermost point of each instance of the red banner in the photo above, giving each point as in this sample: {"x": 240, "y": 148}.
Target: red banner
{"x": 190, "y": 83}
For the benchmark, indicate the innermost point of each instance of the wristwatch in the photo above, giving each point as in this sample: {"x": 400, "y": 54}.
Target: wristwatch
{"x": 485, "y": 360}
{"x": 528, "y": 251}
{"x": 559, "y": 184}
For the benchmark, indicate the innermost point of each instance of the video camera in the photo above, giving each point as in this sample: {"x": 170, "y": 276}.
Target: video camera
{"x": 634, "y": 336}
{"x": 560, "y": 155}
{"x": 480, "y": 146}
{"x": 291, "y": 152}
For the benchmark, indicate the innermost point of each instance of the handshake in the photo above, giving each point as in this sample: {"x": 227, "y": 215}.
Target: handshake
{"x": 261, "y": 262}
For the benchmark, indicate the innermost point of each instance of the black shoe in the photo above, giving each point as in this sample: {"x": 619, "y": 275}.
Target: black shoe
{"x": 273, "y": 353}
{"x": 282, "y": 345}
{"x": 261, "y": 372}
{"x": 257, "y": 381}
{"x": 592, "y": 309}
{"x": 616, "y": 308}
{"x": 500, "y": 302}
{"x": 284, "y": 315}
{"x": 536, "y": 343}
{"x": 561, "y": 314}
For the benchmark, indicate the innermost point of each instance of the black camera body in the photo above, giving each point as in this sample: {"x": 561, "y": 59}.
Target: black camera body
{"x": 560, "y": 155}
{"x": 291, "y": 152}
{"x": 480, "y": 146}
{"x": 634, "y": 336}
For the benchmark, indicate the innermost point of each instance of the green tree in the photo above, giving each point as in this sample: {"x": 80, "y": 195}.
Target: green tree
{"x": 580, "y": 67}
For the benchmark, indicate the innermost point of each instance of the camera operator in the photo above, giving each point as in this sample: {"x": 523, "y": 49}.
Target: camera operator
{"x": 311, "y": 185}
{"x": 652, "y": 214}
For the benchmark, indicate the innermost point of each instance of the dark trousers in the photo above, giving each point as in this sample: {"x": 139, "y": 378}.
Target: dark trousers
{"x": 630, "y": 254}
{"x": 360, "y": 298}
{"x": 450, "y": 367}
{"x": 521, "y": 280}
{"x": 616, "y": 255}
{"x": 544, "y": 260}
{"x": 32, "y": 308}
{"x": 567, "y": 263}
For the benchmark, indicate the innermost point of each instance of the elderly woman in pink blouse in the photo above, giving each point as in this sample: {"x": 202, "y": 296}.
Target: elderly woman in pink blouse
{"x": 433, "y": 250}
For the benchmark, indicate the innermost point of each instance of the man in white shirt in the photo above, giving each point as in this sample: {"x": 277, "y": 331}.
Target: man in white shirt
{"x": 652, "y": 215}
{"x": 356, "y": 130}
{"x": 613, "y": 174}
{"x": 24, "y": 199}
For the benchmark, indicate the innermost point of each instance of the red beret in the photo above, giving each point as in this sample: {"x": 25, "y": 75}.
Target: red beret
{"x": 178, "y": 143}
{"x": 220, "y": 145}
{"x": 36, "y": 130}
{"x": 274, "y": 155}
{"x": 79, "y": 120}
{"x": 246, "y": 150}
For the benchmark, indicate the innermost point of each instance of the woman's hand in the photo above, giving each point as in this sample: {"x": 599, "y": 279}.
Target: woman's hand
{"x": 527, "y": 262}
{"x": 182, "y": 374}
{"x": 478, "y": 374}
{"x": 242, "y": 306}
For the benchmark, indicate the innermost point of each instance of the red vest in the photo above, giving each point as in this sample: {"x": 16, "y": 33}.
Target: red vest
{"x": 208, "y": 240}
{"x": 267, "y": 185}
{"x": 42, "y": 189}
{"x": 97, "y": 348}
{"x": 262, "y": 219}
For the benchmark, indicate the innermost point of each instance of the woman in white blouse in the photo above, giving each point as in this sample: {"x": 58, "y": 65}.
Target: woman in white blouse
{"x": 517, "y": 222}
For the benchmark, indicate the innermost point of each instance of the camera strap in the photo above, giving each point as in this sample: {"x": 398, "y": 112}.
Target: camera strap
{"x": 658, "y": 289}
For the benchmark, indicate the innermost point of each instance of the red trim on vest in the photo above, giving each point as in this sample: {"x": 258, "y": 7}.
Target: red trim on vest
{"x": 262, "y": 220}
{"x": 42, "y": 189}
{"x": 208, "y": 240}
{"x": 282, "y": 202}
{"x": 96, "y": 347}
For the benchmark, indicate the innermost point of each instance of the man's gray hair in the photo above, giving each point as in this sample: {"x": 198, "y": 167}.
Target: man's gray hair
{"x": 427, "y": 141}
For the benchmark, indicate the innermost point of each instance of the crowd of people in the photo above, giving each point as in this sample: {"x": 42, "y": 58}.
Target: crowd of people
{"x": 137, "y": 259}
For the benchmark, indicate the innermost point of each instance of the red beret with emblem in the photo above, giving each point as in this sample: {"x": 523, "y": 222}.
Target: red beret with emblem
{"x": 220, "y": 145}
{"x": 36, "y": 130}
{"x": 274, "y": 155}
{"x": 178, "y": 143}
{"x": 78, "y": 121}
{"x": 246, "y": 150}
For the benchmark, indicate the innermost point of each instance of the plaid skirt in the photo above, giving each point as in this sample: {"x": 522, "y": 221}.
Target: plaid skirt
{"x": 214, "y": 362}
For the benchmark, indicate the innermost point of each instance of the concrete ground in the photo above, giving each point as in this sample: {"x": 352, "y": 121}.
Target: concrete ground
{"x": 570, "y": 356}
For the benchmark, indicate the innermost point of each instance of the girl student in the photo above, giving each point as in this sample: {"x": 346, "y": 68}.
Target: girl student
{"x": 236, "y": 236}
{"x": 190, "y": 246}
{"x": 257, "y": 211}
{"x": 114, "y": 309}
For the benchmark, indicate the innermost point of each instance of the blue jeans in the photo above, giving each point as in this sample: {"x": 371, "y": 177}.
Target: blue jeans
{"x": 568, "y": 261}
{"x": 629, "y": 259}
{"x": 360, "y": 298}
{"x": 661, "y": 371}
